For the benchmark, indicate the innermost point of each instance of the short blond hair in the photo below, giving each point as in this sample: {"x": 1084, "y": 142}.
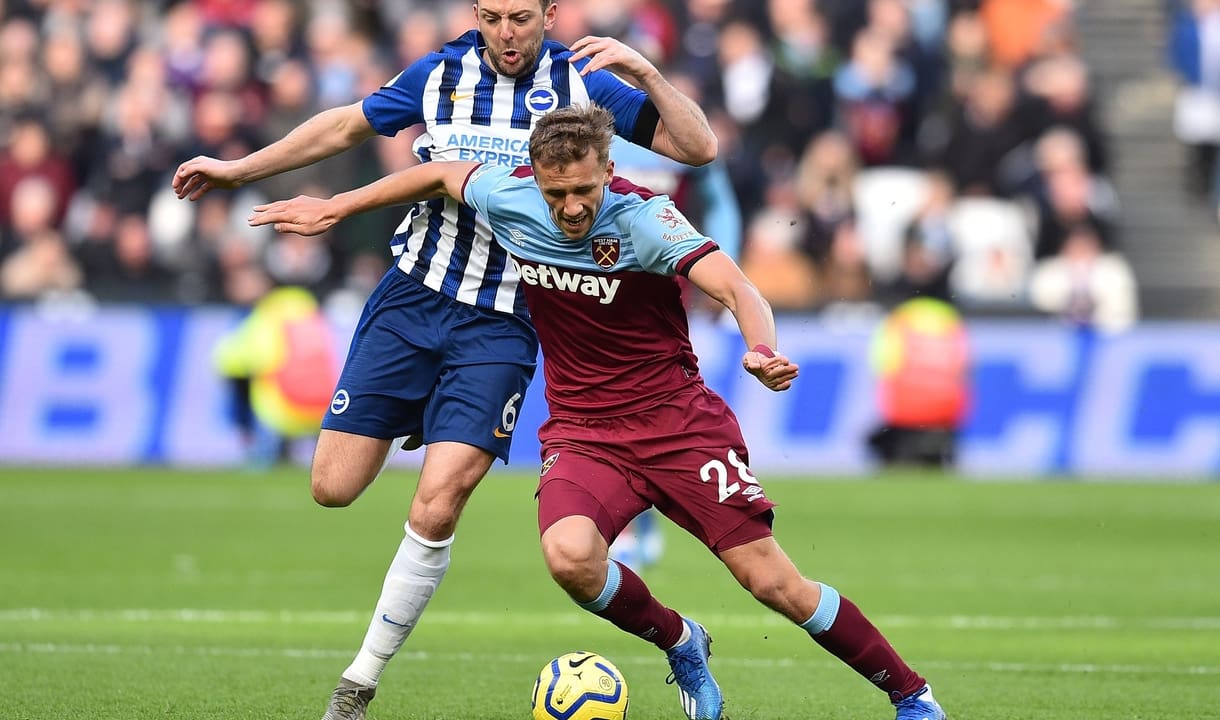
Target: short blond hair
{"x": 566, "y": 135}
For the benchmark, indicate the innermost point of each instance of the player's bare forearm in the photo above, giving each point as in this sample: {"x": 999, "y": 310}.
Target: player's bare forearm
{"x": 328, "y": 133}
{"x": 683, "y": 133}
{"x": 753, "y": 315}
{"x": 757, "y": 325}
{"x": 422, "y": 182}
{"x": 719, "y": 277}
{"x": 325, "y": 134}
{"x": 306, "y": 215}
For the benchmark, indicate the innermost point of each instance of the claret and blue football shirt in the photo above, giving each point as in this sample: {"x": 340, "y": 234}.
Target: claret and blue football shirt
{"x": 607, "y": 308}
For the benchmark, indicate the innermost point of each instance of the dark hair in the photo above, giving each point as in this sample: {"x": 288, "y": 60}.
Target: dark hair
{"x": 567, "y": 134}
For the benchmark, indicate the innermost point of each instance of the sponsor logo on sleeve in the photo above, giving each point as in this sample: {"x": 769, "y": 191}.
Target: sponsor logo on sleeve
{"x": 549, "y": 463}
{"x": 670, "y": 217}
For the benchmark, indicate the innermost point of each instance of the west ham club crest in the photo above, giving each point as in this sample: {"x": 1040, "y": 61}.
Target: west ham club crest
{"x": 605, "y": 252}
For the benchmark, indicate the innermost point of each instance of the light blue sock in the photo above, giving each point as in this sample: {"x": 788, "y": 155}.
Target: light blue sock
{"x": 614, "y": 578}
{"x": 826, "y": 612}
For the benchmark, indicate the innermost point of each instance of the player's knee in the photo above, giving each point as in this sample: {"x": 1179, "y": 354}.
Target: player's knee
{"x": 573, "y": 565}
{"x": 770, "y": 594}
{"x": 436, "y": 517}
{"x": 332, "y": 489}
{"x": 773, "y": 590}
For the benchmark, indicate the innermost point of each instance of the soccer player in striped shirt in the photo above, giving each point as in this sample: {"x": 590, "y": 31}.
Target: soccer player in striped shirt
{"x": 632, "y": 424}
{"x": 445, "y": 348}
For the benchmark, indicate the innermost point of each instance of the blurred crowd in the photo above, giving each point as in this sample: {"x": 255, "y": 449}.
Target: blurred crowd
{"x": 879, "y": 149}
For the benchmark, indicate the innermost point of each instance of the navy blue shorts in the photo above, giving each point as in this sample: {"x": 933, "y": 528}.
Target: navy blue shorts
{"x": 421, "y": 362}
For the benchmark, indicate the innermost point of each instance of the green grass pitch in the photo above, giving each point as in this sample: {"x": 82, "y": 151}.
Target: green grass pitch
{"x": 131, "y": 594}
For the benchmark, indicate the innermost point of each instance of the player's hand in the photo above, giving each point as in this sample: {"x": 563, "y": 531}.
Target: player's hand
{"x": 303, "y": 215}
{"x": 197, "y": 176}
{"x": 772, "y": 369}
{"x": 607, "y": 53}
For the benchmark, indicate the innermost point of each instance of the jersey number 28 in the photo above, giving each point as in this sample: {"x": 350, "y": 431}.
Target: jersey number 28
{"x": 715, "y": 470}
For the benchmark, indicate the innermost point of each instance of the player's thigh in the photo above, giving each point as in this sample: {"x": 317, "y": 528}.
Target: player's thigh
{"x": 762, "y": 567}
{"x": 344, "y": 464}
{"x": 575, "y": 484}
{"x": 488, "y": 364}
{"x": 703, "y": 482}
{"x": 394, "y": 362}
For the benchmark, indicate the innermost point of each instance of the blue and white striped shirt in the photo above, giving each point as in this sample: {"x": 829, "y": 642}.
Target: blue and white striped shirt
{"x": 473, "y": 113}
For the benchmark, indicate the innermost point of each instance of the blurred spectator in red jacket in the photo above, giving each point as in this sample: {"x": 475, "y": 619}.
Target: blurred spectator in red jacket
{"x": 30, "y": 154}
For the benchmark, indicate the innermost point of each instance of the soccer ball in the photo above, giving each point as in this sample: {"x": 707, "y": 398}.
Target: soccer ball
{"x": 580, "y": 686}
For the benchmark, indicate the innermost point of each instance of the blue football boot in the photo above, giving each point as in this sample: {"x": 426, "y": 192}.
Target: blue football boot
{"x": 700, "y": 695}
{"x": 919, "y": 706}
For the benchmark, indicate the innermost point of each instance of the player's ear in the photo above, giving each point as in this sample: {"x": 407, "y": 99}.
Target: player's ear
{"x": 548, "y": 16}
{"x": 609, "y": 172}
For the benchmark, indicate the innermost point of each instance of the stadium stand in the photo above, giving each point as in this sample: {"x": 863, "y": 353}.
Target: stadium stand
{"x": 882, "y": 149}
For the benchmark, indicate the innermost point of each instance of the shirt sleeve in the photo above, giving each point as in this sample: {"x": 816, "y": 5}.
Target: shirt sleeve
{"x": 481, "y": 183}
{"x": 664, "y": 240}
{"x": 399, "y": 103}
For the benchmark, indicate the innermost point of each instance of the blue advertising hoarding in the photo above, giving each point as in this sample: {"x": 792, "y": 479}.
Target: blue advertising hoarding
{"x": 131, "y": 385}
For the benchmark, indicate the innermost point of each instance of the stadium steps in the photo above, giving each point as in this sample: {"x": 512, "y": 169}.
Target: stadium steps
{"x": 1171, "y": 238}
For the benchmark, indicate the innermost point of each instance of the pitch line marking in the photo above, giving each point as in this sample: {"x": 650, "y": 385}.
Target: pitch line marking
{"x": 527, "y": 619}
{"x": 526, "y": 659}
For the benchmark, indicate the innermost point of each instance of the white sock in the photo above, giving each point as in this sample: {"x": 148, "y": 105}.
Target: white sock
{"x": 414, "y": 574}
{"x": 684, "y": 637}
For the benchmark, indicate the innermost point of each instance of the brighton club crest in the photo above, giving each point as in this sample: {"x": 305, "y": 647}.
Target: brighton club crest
{"x": 605, "y": 252}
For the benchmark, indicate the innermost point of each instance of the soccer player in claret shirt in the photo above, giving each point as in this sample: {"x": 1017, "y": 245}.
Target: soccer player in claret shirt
{"x": 445, "y": 349}
{"x": 631, "y": 423}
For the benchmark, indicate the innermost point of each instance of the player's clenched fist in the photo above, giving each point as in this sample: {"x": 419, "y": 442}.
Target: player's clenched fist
{"x": 773, "y": 370}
